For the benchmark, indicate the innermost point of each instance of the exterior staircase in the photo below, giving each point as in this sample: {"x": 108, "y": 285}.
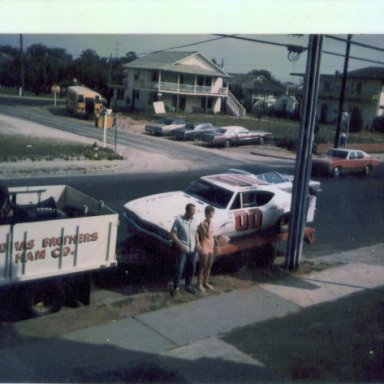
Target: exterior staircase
{"x": 234, "y": 106}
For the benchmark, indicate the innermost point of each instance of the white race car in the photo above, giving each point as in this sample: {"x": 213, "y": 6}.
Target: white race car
{"x": 243, "y": 204}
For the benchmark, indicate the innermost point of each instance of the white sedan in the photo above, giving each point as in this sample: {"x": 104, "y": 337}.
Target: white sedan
{"x": 164, "y": 126}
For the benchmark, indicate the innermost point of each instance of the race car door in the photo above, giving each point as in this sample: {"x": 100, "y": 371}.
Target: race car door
{"x": 253, "y": 211}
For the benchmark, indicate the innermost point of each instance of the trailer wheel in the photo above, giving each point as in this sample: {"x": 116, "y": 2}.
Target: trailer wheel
{"x": 43, "y": 299}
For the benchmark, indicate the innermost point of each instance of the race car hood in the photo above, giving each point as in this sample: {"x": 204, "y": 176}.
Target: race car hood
{"x": 163, "y": 208}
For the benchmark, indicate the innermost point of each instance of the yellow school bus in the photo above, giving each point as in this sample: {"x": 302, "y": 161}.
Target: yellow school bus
{"x": 82, "y": 101}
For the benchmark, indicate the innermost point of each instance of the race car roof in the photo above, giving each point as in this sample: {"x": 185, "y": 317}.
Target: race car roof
{"x": 234, "y": 180}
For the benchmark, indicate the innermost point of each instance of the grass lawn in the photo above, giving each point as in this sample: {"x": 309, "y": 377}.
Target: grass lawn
{"x": 16, "y": 148}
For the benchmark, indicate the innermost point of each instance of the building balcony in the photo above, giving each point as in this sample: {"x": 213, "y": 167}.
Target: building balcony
{"x": 184, "y": 89}
{"x": 348, "y": 96}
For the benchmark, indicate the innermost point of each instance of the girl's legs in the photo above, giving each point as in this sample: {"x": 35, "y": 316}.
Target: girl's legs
{"x": 207, "y": 271}
{"x": 200, "y": 274}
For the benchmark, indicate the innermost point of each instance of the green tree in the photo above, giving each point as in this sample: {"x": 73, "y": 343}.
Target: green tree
{"x": 44, "y": 67}
{"x": 9, "y": 66}
{"x": 92, "y": 71}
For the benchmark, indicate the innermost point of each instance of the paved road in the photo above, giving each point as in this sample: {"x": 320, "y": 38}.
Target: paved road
{"x": 42, "y": 111}
{"x": 349, "y": 211}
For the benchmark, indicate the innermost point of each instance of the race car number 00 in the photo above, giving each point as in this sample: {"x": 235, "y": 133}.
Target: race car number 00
{"x": 248, "y": 220}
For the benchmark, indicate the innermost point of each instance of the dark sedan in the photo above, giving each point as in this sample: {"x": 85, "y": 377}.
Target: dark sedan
{"x": 235, "y": 135}
{"x": 192, "y": 131}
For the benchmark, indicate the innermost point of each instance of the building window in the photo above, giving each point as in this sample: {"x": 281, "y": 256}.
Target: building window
{"x": 120, "y": 94}
{"x": 136, "y": 76}
{"x": 327, "y": 85}
{"x": 135, "y": 94}
{"x": 155, "y": 76}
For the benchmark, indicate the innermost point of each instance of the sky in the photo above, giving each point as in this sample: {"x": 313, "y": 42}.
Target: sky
{"x": 113, "y": 28}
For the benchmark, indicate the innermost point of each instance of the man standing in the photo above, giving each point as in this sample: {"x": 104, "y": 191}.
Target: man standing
{"x": 185, "y": 237}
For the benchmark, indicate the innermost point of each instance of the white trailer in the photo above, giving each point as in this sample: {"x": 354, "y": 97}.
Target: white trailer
{"x": 51, "y": 238}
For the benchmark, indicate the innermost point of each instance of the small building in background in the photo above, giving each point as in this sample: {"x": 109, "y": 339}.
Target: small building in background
{"x": 364, "y": 92}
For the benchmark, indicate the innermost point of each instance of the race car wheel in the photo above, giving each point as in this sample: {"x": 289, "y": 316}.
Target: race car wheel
{"x": 227, "y": 144}
{"x": 336, "y": 172}
{"x": 367, "y": 170}
{"x": 44, "y": 298}
{"x": 282, "y": 225}
{"x": 261, "y": 141}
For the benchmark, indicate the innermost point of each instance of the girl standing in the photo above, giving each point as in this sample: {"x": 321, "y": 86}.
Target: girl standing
{"x": 207, "y": 254}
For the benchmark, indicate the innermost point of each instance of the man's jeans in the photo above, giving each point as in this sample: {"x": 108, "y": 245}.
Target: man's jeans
{"x": 187, "y": 260}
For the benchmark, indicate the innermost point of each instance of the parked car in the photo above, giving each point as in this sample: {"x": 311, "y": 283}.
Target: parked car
{"x": 234, "y": 135}
{"x": 165, "y": 126}
{"x": 243, "y": 204}
{"x": 192, "y": 131}
{"x": 341, "y": 160}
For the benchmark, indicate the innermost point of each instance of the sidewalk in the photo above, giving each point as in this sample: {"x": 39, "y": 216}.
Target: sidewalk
{"x": 185, "y": 343}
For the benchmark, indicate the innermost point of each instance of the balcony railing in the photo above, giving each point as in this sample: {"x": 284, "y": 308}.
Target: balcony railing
{"x": 191, "y": 89}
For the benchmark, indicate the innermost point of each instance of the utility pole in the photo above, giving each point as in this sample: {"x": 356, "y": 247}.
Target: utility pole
{"x": 21, "y": 89}
{"x": 342, "y": 93}
{"x": 299, "y": 203}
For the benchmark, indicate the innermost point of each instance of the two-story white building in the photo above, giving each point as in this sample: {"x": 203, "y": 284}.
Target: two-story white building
{"x": 183, "y": 81}
{"x": 364, "y": 90}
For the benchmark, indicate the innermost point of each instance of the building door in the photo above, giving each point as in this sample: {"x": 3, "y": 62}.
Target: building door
{"x": 182, "y": 103}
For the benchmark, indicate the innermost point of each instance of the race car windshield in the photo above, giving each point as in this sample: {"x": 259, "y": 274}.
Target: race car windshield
{"x": 210, "y": 194}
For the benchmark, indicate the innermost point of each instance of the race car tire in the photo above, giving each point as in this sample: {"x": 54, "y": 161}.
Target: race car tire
{"x": 263, "y": 257}
{"x": 261, "y": 141}
{"x": 227, "y": 144}
{"x": 283, "y": 223}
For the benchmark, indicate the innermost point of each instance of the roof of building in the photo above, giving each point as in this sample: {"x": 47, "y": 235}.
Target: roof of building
{"x": 258, "y": 82}
{"x": 172, "y": 61}
{"x": 371, "y": 73}
{"x": 368, "y": 72}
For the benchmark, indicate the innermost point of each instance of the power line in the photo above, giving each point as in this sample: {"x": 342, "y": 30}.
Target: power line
{"x": 183, "y": 46}
{"x": 295, "y": 48}
{"x": 355, "y": 43}
{"x": 354, "y": 57}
